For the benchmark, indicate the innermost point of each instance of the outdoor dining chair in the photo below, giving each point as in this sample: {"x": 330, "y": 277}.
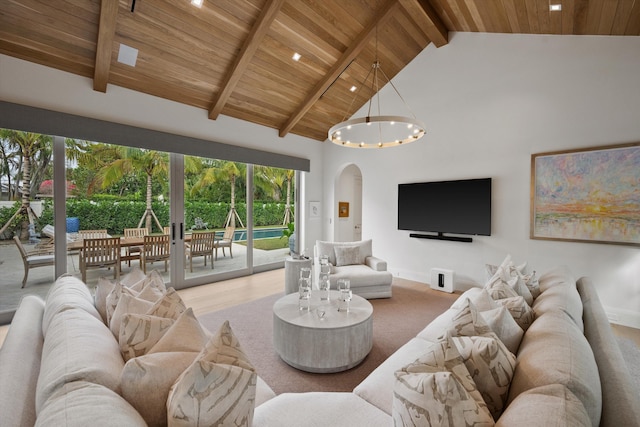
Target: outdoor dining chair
{"x": 226, "y": 241}
{"x": 201, "y": 244}
{"x": 155, "y": 248}
{"x": 100, "y": 253}
{"x": 33, "y": 259}
{"x": 133, "y": 252}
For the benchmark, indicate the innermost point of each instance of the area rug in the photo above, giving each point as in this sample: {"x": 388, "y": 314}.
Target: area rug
{"x": 395, "y": 321}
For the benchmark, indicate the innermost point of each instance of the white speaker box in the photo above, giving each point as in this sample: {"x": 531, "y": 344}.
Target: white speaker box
{"x": 442, "y": 279}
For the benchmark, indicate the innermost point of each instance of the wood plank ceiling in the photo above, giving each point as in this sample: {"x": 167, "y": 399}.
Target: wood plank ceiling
{"x": 234, "y": 57}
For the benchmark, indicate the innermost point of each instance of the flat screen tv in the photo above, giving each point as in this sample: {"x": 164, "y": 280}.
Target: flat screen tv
{"x": 458, "y": 207}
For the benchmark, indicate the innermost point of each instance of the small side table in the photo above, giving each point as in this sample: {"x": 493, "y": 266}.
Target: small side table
{"x": 292, "y": 273}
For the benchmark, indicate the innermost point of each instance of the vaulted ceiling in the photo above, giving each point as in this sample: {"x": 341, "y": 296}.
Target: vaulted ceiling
{"x": 234, "y": 57}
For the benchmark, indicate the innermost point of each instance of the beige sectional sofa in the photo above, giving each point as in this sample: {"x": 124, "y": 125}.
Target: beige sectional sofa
{"x": 367, "y": 274}
{"x": 568, "y": 370}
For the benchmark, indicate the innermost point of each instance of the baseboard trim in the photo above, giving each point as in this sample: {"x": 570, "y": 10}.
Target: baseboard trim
{"x": 623, "y": 317}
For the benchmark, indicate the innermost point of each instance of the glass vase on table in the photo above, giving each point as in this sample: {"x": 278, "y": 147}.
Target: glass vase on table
{"x": 345, "y": 295}
{"x": 304, "y": 294}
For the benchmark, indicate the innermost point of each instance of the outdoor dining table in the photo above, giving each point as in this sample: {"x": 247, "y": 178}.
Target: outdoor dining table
{"x": 124, "y": 242}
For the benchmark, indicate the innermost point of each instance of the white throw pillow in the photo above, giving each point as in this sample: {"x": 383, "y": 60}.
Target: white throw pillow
{"x": 146, "y": 381}
{"x": 186, "y": 334}
{"x": 219, "y": 388}
{"x": 499, "y": 289}
{"x": 504, "y": 326}
{"x": 347, "y": 255}
{"x": 437, "y": 389}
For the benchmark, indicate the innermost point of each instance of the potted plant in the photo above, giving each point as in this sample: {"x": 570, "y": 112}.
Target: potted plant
{"x": 289, "y": 233}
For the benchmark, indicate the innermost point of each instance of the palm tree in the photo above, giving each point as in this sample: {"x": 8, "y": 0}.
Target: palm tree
{"x": 115, "y": 162}
{"x": 224, "y": 171}
{"x": 30, "y": 145}
{"x": 277, "y": 179}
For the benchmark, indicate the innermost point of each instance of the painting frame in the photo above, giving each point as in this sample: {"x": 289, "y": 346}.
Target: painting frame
{"x": 343, "y": 209}
{"x": 314, "y": 209}
{"x": 587, "y": 195}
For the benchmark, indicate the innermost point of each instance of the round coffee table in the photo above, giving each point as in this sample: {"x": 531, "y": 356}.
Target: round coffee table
{"x": 336, "y": 342}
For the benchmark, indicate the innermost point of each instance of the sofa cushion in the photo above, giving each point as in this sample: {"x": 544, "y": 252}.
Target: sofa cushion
{"x": 347, "y": 255}
{"x": 328, "y": 249}
{"x": 319, "y": 409}
{"x": 78, "y": 347}
{"x": 140, "y": 332}
{"x": 81, "y": 404}
{"x": 491, "y": 366}
{"x": 433, "y": 331}
{"x": 20, "y": 363}
{"x": 146, "y": 381}
{"x": 219, "y": 388}
{"x": 549, "y": 405}
{"x": 360, "y": 276}
{"x": 438, "y": 386}
{"x": 563, "y": 296}
{"x": 505, "y": 327}
{"x": 554, "y": 351}
{"x": 377, "y": 388}
{"x": 67, "y": 292}
{"x": 520, "y": 310}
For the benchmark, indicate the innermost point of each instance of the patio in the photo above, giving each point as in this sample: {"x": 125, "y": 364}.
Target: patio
{"x": 12, "y": 271}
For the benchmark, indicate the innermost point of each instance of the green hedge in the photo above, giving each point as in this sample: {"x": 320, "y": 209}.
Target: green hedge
{"x": 115, "y": 216}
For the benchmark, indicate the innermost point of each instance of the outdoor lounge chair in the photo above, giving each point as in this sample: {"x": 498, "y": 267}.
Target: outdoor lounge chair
{"x": 33, "y": 259}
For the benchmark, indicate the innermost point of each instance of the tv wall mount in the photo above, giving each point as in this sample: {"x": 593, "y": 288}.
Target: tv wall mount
{"x": 441, "y": 236}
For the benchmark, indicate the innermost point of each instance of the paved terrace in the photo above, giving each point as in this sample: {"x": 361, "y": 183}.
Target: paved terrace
{"x": 12, "y": 270}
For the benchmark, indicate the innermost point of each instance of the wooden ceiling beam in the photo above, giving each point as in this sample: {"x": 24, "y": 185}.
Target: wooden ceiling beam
{"x": 436, "y": 29}
{"x": 349, "y": 55}
{"x": 249, "y": 48}
{"x": 104, "y": 47}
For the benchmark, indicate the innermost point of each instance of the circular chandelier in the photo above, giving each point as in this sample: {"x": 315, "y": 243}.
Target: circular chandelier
{"x": 377, "y": 131}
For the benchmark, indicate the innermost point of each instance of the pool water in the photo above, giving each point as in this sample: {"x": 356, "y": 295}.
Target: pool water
{"x": 260, "y": 233}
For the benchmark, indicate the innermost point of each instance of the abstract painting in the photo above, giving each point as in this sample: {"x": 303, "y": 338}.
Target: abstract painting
{"x": 587, "y": 195}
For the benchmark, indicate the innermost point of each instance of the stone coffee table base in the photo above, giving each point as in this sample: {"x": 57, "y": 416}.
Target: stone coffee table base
{"x": 334, "y": 343}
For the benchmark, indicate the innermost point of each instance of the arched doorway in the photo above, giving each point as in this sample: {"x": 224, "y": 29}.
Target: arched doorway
{"x": 348, "y": 204}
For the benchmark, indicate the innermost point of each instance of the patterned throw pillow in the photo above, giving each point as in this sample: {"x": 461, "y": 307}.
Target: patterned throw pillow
{"x": 347, "y": 255}
{"x": 531, "y": 281}
{"x": 437, "y": 389}
{"x": 153, "y": 279}
{"x": 170, "y": 305}
{"x": 114, "y": 297}
{"x": 467, "y": 322}
{"x": 520, "y": 310}
{"x": 499, "y": 289}
{"x": 491, "y": 366}
{"x": 140, "y": 332}
{"x": 521, "y": 289}
{"x": 219, "y": 388}
{"x": 127, "y": 304}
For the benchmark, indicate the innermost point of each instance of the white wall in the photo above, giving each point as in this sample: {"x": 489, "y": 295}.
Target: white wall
{"x": 31, "y": 84}
{"x": 489, "y": 101}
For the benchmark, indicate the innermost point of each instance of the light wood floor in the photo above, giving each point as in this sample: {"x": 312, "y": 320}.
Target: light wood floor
{"x": 229, "y": 293}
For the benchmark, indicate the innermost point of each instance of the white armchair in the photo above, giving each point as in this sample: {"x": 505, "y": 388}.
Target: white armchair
{"x": 367, "y": 274}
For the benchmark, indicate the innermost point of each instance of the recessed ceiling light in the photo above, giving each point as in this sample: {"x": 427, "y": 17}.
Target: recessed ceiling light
{"x": 197, "y": 3}
{"x": 127, "y": 55}
{"x": 296, "y": 56}
{"x": 555, "y": 7}
{"x": 353, "y": 88}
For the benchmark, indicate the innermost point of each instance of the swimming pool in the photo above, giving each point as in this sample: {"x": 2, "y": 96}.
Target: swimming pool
{"x": 259, "y": 233}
